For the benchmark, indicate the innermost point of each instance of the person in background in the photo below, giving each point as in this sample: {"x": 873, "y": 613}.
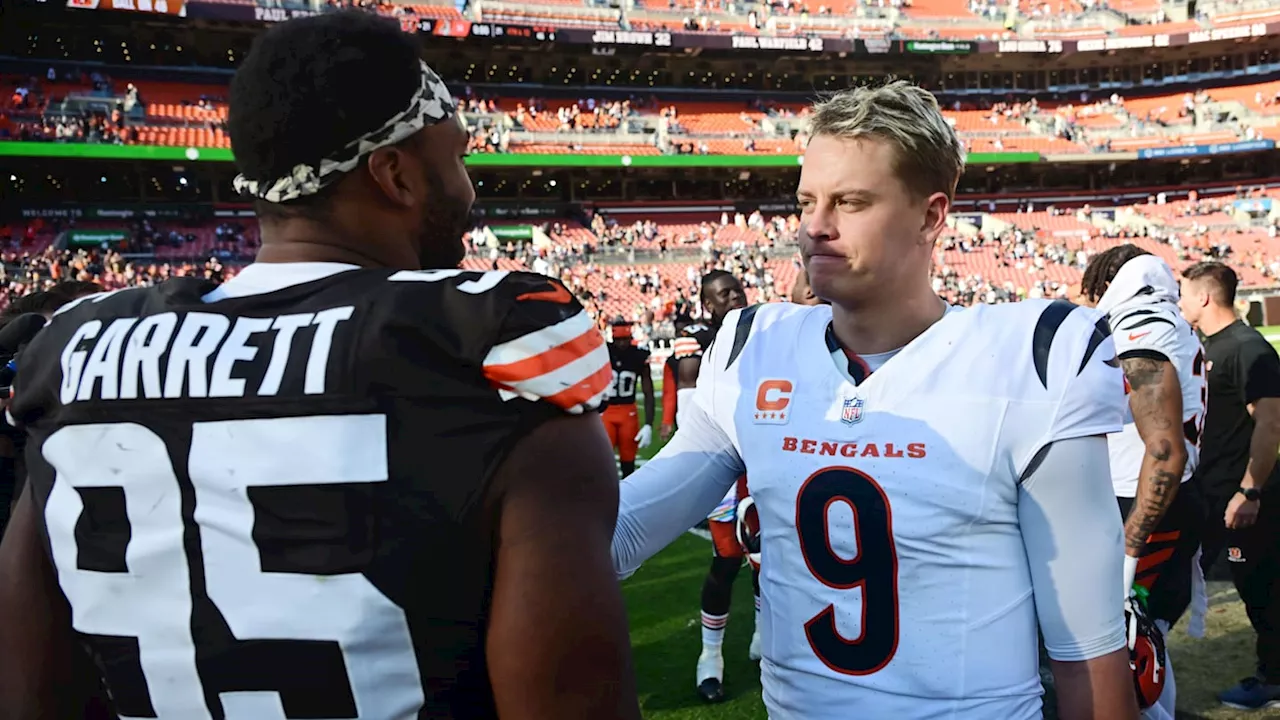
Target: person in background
{"x": 1154, "y": 456}
{"x": 669, "y": 375}
{"x": 721, "y": 293}
{"x": 630, "y": 372}
{"x": 1237, "y": 460}
{"x": 802, "y": 293}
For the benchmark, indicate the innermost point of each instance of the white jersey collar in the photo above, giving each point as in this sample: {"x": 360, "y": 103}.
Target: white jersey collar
{"x": 260, "y": 278}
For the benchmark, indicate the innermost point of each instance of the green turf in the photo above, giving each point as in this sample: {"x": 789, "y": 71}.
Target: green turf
{"x": 664, "y": 603}
{"x": 663, "y": 600}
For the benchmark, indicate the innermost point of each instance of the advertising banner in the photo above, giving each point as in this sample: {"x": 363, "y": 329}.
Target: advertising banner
{"x": 158, "y": 7}
{"x": 1214, "y": 149}
{"x": 615, "y": 38}
{"x": 94, "y": 238}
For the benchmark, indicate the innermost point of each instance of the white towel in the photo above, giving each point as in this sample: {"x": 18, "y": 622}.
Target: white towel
{"x": 1144, "y": 280}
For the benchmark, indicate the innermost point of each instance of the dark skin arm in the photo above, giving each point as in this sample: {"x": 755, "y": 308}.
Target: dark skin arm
{"x": 1155, "y": 397}
{"x": 646, "y": 384}
{"x": 1097, "y": 689}
{"x": 35, "y": 624}
{"x": 558, "y": 645}
{"x": 687, "y": 373}
{"x": 668, "y": 401}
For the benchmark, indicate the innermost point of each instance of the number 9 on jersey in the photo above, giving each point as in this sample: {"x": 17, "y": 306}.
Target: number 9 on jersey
{"x": 873, "y": 570}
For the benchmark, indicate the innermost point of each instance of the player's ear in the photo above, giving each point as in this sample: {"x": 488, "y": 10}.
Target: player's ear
{"x": 935, "y": 217}
{"x": 394, "y": 174}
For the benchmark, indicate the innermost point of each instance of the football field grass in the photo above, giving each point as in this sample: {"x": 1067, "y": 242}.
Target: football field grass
{"x": 663, "y": 605}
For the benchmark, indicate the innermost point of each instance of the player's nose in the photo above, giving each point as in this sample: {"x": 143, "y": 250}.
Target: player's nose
{"x": 819, "y": 227}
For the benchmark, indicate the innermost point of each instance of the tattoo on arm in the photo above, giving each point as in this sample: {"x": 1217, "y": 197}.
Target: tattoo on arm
{"x": 1156, "y": 401}
{"x": 1154, "y": 396}
{"x": 1143, "y": 372}
{"x": 1150, "y": 508}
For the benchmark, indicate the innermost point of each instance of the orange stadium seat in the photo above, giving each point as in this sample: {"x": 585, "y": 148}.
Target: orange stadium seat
{"x": 173, "y": 117}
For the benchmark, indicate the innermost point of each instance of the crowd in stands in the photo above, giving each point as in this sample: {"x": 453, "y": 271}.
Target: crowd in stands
{"x": 646, "y": 267}
{"x": 22, "y": 273}
{"x": 87, "y": 127}
{"x": 647, "y": 124}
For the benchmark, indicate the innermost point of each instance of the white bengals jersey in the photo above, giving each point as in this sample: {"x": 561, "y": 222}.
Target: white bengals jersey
{"x": 895, "y": 579}
{"x": 1157, "y": 330}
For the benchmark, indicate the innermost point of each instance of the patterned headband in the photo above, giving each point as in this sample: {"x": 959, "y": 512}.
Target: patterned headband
{"x": 431, "y": 104}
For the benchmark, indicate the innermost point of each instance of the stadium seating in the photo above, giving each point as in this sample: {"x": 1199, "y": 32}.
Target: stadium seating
{"x": 193, "y": 115}
{"x": 985, "y": 257}
{"x": 906, "y": 19}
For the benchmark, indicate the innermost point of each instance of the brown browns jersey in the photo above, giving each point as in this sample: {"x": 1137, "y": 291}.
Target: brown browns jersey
{"x": 272, "y": 503}
{"x": 628, "y": 365}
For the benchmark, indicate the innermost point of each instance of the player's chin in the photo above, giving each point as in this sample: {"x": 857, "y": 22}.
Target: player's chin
{"x": 835, "y": 281}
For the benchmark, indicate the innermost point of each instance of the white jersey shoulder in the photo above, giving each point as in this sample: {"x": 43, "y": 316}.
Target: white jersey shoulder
{"x": 1053, "y": 364}
{"x": 1056, "y": 363}
{"x": 1156, "y": 330}
{"x": 752, "y": 326}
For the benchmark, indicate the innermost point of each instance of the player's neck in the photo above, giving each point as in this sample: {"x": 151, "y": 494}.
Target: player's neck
{"x": 869, "y": 330}
{"x": 1214, "y": 319}
{"x": 296, "y": 241}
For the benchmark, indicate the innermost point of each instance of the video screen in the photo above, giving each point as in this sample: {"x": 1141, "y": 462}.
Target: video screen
{"x": 162, "y": 7}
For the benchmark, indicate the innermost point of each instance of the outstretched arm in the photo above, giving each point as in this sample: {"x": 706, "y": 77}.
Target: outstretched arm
{"x": 1072, "y": 535}
{"x": 1155, "y": 399}
{"x": 674, "y": 490}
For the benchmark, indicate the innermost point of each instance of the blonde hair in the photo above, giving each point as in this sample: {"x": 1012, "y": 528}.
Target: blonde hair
{"x": 930, "y": 157}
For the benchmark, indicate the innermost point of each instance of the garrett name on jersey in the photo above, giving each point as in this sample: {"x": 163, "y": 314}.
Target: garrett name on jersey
{"x": 504, "y": 330}
{"x": 202, "y": 355}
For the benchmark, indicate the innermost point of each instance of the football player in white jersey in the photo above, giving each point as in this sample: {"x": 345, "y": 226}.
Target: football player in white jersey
{"x": 1156, "y": 452}
{"x": 931, "y": 482}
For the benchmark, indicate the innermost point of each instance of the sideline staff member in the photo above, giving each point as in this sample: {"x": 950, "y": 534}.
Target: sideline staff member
{"x": 1237, "y": 457}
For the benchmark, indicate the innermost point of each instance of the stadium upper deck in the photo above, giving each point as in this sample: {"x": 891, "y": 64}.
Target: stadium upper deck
{"x": 188, "y": 115}
{"x": 896, "y": 19}
{"x": 1201, "y": 107}
{"x": 1059, "y": 99}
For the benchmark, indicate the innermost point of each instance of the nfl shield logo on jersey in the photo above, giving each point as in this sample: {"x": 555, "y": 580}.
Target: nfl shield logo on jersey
{"x": 852, "y": 410}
